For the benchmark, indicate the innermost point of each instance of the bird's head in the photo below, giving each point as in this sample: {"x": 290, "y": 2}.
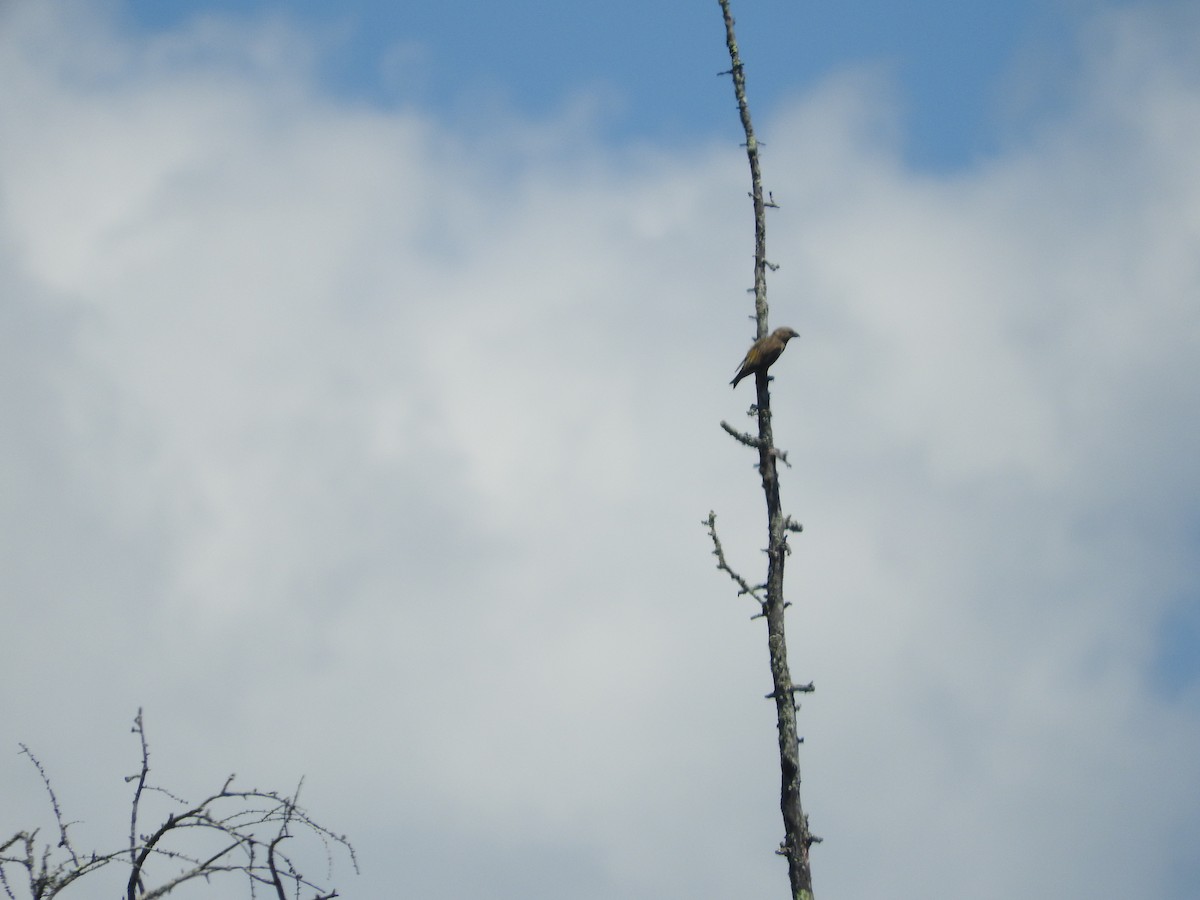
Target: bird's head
{"x": 785, "y": 334}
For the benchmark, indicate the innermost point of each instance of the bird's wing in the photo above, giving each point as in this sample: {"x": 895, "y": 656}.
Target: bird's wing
{"x": 752, "y": 357}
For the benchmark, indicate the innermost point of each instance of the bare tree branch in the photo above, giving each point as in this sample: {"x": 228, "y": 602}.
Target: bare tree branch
{"x": 723, "y": 565}
{"x": 64, "y": 840}
{"x": 797, "y": 838}
{"x": 250, "y": 825}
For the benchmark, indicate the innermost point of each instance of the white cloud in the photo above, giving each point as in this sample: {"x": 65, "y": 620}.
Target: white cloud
{"x": 354, "y": 446}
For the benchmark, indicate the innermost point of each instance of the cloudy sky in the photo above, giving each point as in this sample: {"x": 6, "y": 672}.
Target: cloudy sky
{"x": 362, "y": 380}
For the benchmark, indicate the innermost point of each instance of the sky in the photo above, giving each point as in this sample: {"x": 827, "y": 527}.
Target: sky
{"x": 363, "y": 373}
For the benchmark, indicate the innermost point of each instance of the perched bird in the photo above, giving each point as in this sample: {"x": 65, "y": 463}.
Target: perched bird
{"x": 763, "y": 352}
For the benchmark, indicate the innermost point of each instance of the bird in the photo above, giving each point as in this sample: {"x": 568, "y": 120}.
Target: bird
{"x": 763, "y": 352}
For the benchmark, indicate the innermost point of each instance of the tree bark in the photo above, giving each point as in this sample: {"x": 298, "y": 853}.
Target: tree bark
{"x": 797, "y": 838}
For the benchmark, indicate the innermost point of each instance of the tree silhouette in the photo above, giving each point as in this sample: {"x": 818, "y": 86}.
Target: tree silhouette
{"x": 232, "y": 833}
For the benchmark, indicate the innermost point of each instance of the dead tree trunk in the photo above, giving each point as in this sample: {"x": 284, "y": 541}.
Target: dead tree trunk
{"x": 797, "y": 838}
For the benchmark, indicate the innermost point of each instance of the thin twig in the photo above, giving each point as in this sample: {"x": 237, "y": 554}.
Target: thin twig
{"x": 723, "y": 565}
{"x": 64, "y": 839}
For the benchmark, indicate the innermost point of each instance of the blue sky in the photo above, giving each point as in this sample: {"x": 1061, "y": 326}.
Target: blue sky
{"x": 363, "y": 374}
{"x": 956, "y": 68}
